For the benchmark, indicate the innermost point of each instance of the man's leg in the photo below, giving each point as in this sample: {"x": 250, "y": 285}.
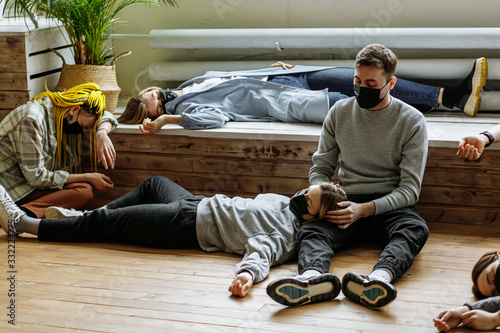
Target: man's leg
{"x": 73, "y": 195}
{"x": 404, "y": 233}
{"x": 317, "y": 242}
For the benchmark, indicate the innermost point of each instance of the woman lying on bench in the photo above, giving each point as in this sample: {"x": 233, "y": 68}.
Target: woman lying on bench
{"x": 281, "y": 93}
{"x": 161, "y": 214}
{"x": 484, "y": 314}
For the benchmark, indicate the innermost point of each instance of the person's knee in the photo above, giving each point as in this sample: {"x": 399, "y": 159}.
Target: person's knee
{"x": 313, "y": 230}
{"x": 86, "y": 192}
{"x": 83, "y": 191}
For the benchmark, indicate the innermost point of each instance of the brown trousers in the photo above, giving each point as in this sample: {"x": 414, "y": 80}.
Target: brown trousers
{"x": 73, "y": 195}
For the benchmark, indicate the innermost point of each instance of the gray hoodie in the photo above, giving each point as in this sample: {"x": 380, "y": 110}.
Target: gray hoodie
{"x": 263, "y": 230}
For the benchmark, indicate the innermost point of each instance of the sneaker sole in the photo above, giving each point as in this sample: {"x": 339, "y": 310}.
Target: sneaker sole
{"x": 373, "y": 294}
{"x": 53, "y": 213}
{"x": 293, "y": 292}
{"x": 478, "y": 82}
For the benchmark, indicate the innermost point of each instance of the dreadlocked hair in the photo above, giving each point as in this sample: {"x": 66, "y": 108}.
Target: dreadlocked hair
{"x": 92, "y": 100}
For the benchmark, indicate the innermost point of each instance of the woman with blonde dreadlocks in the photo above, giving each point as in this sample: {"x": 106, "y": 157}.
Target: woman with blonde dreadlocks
{"x": 41, "y": 149}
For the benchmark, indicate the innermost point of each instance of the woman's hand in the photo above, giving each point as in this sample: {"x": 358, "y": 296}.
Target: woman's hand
{"x": 105, "y": 150}
{"x": 283, "y": 65}
{"x": 151, "y": 126}
{"x": 349, "y": 213}
{"x": 100, "y": 182}
{"x": 471, "y": 147}
{"x": 449, "y": 319}
{"x": 242, "y": 284}
{"x": 481, "y": 320}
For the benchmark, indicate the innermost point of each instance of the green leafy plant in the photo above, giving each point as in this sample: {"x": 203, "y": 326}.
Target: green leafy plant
{"x": 88, "y": 23}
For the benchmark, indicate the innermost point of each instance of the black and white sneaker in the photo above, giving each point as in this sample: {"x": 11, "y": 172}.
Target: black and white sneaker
{"x": 466, "y": 96}
{"x": 371, "y": 293}
{"x": 10, "y": 213}
{"x": 300, "y": 291}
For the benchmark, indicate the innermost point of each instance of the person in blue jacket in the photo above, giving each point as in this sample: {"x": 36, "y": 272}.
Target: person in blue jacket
{"x": 280, "y": 93}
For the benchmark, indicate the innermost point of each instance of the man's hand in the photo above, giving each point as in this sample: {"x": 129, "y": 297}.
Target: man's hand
{"x": 283, "y": 65}
{"x": 471, "y": 147}
{"x": 105, "y": 150}
{"x": 349, "y": 213}
{"x": 447, "y": 320}
{"x": 241, "y": 284}
{"x": 481, "y": 320}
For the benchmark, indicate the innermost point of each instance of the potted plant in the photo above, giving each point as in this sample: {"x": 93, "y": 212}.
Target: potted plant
{"x": 89, "y": 25}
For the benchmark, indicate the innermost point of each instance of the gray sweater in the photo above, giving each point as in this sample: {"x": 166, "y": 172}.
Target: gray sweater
{"x": 381, "y": 151}
{"x": 262, "y": 230}
{"x": 490, "y": 304}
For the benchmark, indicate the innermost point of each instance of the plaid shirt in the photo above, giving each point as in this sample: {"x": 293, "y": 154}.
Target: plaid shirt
{"x": 28, "y": 147}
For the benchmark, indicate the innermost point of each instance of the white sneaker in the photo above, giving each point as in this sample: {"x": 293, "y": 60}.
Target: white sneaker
{"x": 56, "y": 213}
{"x": 10, "y": 214}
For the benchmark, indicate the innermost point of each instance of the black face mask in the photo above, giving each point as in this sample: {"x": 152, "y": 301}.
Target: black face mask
{"x": 368, "y": 97}
{"x": 166, "y": 96}
{"x": 298, "y": 204}
{"x": 74, "y": 128}
{"x": 497, "y": 279}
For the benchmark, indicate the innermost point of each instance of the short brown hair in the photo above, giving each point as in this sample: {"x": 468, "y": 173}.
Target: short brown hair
{"x": 136, "y": 110}
{"x": 377, "y": 55}
{"x": 483, "y": 262}
{"x": 330, "y": 196}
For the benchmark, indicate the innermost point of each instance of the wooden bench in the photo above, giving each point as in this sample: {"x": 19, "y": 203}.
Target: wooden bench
{"x": 246, "y": 159}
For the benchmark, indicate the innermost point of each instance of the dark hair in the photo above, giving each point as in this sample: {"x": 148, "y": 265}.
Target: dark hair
{"x": 330, "y": 196}
{"x": 483, "y": 262}
{"x": 379, "y": 56}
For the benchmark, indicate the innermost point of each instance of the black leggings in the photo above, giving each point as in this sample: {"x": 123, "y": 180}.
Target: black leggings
{"x": 158, "y": 213}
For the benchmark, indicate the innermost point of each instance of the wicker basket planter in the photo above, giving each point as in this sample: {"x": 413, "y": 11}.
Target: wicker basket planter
{"x": 103, "y": 75}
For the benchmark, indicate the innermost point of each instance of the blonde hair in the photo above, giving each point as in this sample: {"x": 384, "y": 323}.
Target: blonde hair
{"x": 92, "y": 100}
{"x": 136, "y": 110}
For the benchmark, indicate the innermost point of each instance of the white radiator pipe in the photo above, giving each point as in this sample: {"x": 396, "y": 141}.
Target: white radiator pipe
{"x": 407, "y": 68}
{"x": 327, "y": 38}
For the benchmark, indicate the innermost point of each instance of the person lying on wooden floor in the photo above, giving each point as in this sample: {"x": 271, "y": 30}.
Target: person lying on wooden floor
{"x": 161, "y": 214}
{"x": 281, "y": 93}
{"x": 482, "y": 315}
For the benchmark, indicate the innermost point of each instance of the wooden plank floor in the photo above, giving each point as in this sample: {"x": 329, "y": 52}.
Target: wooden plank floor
{"x": 64, "y": 287}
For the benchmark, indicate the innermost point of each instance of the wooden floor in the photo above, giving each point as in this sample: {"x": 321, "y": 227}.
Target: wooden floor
{"x": 63, "y": 287}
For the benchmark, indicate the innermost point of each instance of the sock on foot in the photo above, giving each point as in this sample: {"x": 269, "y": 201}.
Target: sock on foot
{"x": 310, "y": 273}
{"x": 381, "y": 274}
{"x": 28, "y": 224}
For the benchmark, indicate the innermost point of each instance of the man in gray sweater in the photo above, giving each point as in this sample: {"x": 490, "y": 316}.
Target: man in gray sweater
{"x": 379, "y": 144}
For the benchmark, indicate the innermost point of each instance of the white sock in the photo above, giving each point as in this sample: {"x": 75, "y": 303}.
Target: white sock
{"x": 310, "y": 273}
{"x": 381, "y": 274}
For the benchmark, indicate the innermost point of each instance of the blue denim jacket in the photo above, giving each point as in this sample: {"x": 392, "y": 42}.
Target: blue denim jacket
{"x": 249, "y": 99}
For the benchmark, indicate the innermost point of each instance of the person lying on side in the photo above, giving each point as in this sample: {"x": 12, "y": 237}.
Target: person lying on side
{"x": 482, "y": 315}
{"x": 161, "y": 214}
{"x": 281, "y": 93}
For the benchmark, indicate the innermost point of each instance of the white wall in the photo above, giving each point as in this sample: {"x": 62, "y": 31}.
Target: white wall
{"x": 206, "y": 14}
